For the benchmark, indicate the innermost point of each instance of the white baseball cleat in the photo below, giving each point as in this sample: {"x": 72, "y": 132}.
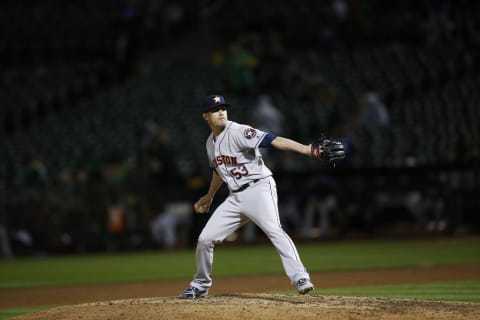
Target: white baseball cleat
{"x": 193, "y": 293}
{"x": 304, "y": 285}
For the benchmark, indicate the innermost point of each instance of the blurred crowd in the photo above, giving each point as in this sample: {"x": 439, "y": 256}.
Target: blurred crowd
{"x": 113, "y": 206}
{"x": 400, "y": 90}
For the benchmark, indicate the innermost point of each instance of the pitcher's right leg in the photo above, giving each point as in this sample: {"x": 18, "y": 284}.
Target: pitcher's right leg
{"x": 224, "y": 221}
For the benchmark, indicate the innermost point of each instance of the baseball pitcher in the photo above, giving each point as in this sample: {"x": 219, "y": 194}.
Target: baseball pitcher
{"x": 233, "y": 151}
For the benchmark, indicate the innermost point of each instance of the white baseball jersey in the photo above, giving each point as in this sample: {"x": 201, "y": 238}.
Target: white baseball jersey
{"x": 235, "y": 155}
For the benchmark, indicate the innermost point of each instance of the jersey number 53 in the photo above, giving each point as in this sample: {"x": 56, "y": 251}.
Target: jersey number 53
{"x": 239, "y": 171}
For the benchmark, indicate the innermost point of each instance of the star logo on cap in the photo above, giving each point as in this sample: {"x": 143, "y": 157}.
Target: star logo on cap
{"x": 216, "y": 99}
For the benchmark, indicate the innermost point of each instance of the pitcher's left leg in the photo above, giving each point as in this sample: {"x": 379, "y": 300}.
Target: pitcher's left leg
{"x": 260, "y": 205}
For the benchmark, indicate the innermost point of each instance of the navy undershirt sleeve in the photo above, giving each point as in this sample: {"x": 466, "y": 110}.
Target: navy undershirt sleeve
{"x": 267, "y": 140}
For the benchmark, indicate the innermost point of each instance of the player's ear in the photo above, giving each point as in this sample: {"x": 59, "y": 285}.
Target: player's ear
{"x": 204, "y": 116}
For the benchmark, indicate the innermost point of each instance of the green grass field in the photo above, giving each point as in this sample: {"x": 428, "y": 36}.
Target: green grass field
{"x": 467, "y": 291}
{"x": 235, "y": 261}
{"x": 231, "y": 261}
{"x": 9, "y": 313}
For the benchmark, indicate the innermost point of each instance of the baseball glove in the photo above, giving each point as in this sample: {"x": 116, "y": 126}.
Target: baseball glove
{"x": 328, "y": 150}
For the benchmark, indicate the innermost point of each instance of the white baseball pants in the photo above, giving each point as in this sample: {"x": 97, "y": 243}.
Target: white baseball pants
{"x": 258, "y": 203}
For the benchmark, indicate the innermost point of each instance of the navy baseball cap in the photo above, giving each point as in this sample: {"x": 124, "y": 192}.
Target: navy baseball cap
{"x": 213, "y": 101}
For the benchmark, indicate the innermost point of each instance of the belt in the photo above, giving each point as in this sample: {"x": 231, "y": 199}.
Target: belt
{"x": 245, "y": 186}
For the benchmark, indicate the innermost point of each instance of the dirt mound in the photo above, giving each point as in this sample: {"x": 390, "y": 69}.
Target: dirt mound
{"x": 73, "y": 295}
{"x": 159, "y": 299}
{"x": 262, "y": 306}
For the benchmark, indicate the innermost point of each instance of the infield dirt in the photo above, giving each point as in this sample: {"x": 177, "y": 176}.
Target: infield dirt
{"x": 264, "y": 306}
{"x": 236, "y": 298}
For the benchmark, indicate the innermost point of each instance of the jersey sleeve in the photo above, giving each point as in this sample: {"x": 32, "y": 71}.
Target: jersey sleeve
{"x": 209, "y": 152}
{"x": 267, "y": 140}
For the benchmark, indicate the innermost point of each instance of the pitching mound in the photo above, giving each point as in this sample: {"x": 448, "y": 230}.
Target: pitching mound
{"x": 263, "y": 306}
